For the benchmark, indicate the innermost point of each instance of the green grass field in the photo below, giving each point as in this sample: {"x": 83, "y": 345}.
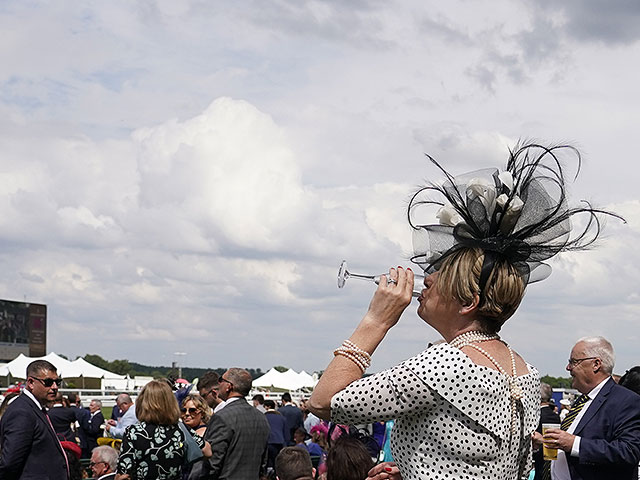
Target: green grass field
{"x": 106, "y": 412}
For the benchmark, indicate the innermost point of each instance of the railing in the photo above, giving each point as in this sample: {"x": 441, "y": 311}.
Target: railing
{"x": 108, "y": 396}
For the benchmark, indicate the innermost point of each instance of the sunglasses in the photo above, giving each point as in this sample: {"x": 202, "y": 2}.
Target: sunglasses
{"x": 210, "y": 392}
{"x": 221, "y": 379}
{"x": 192, "y": 411}
{"x": 48, "y": 382}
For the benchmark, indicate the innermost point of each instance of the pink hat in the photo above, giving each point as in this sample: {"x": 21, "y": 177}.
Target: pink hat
{"x": 320, "y": 428}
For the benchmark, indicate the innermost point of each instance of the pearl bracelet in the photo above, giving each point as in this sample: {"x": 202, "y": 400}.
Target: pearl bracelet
{"x": 352, "y": 346}
{"x": 354, "y": 353}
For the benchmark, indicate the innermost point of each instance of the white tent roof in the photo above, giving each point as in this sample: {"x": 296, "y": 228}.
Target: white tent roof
{"x": 269, "y": 379}
{"x": 289, "y": 380}
{"x": 91, "y": 371}
{"x": 18, "y": 366}
{"x": 66, "y": 369}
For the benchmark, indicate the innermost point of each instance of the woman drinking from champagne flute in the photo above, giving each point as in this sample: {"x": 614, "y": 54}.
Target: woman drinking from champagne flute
{"x": 464, "y": 408}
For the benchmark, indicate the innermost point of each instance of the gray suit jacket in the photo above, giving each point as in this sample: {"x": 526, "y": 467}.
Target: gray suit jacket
{"x": 238, "y": 436}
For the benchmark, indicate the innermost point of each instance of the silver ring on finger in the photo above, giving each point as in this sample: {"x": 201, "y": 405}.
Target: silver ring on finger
{"x": 392, "y": 281}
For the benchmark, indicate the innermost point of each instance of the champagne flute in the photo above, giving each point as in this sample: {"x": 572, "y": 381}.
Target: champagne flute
{"x": 344, "y": 274}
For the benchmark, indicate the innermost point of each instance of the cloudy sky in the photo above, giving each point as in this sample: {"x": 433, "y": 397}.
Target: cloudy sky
{"x": 187, "y": 176}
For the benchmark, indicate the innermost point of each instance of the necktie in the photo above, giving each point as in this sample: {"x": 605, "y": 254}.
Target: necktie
{"x": 573, "y": 413}
{"x": 64, "y": 454}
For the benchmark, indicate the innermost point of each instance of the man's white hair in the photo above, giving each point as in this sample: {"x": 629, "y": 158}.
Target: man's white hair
{"x": 601, "y": 348}
{"x": 108, "y": 455}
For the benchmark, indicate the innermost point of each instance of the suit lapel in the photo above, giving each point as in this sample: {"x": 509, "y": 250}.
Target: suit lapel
{"x": 596, "y": 404}
{"x": 48, "y": 426}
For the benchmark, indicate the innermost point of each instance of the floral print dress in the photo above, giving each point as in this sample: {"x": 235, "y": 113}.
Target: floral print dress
{"x": 153, "y": 452}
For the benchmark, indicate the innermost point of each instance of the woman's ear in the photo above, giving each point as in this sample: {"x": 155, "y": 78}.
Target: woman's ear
{"x": 472, "y": 307}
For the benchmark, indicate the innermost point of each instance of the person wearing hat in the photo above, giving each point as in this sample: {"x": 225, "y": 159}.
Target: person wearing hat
{"x": 73, "y": 452}
{"x": 466, "y": 407}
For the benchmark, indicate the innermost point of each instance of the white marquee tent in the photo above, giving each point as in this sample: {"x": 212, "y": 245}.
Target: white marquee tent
{"x": 91, "y": 371}
{"x": 17, "y": 367}
{"x": 79, "y": 368}
{"x": 289, "y": 380}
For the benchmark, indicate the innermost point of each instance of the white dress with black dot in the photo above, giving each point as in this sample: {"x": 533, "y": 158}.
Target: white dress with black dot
{"x": 453, "y": 418}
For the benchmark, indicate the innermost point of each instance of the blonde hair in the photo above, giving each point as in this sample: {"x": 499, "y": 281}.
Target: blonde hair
{"x": 156, "y": 404}
{"x": 201, "y": 404}
{"x": 459, "y": 279}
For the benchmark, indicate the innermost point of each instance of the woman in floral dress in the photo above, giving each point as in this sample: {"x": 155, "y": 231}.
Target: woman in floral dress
{"x": 155, "y": 447}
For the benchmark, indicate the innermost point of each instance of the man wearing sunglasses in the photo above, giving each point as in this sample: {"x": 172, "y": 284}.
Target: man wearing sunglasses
{"x": 30, "y": 448}
{"x": 208, "y": 388}
{"x": 600, "y": 436}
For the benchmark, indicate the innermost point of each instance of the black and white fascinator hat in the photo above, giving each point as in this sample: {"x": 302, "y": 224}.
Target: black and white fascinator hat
{"x": 519, "y": 215}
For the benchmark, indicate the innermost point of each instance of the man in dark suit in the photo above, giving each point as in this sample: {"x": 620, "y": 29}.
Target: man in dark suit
{"x": 30, "y": 448}
{"x": 547, "y": 415}
{"x": 96, "y": 420}
{"x": 600, "y": 436}
{"x": 82, "y": 425}
{"x": 277, "y": 432}
{"x": 237, "y": 433}
{"x": 293, "y": 415}
{"x": 63, "y": 419}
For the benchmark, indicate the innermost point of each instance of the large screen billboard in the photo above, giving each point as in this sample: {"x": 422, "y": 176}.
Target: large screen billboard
{"x": 23, "y": 329}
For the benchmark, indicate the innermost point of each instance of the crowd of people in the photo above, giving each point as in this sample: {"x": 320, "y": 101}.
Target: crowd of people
{"x": 207, "y": 431}
{"x": 44, "y": 433}
{"x": 467, "y": 407}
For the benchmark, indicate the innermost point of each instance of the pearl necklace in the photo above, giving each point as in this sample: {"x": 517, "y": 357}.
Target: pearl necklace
{"x": 515, "y": 392}
{"x": 472, "y": 336}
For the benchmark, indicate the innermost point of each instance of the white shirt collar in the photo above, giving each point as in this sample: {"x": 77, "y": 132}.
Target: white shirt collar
{"x": 30, "y": 395}
{"x": 220, "y": 406}
{"x": 596, "y": 390}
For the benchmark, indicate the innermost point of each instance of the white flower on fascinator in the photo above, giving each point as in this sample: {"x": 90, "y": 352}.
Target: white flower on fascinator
{"x": 448, "y": 216}
{"x": 510, "y": 217}
{"x": 484, "y": 190}
{"x": 506, "y": 178}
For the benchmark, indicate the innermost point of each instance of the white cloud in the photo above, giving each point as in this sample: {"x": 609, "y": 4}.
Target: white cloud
{"x": 188, "y": 177}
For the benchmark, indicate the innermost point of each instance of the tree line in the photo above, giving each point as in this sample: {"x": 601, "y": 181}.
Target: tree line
{"x": 125, "y": 367}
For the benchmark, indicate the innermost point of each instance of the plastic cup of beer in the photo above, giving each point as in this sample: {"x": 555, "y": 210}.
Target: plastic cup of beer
{"x": 549, "y": 453}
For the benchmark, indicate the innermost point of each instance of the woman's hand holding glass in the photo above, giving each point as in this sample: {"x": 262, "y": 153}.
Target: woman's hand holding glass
{"x": 391, "y": 298}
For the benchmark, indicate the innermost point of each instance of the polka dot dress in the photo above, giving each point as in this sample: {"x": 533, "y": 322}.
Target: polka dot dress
{"x": 453, "y": 417}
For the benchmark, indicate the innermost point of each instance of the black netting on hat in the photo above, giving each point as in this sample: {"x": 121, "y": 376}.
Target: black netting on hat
{"x": 519, "y": 215}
